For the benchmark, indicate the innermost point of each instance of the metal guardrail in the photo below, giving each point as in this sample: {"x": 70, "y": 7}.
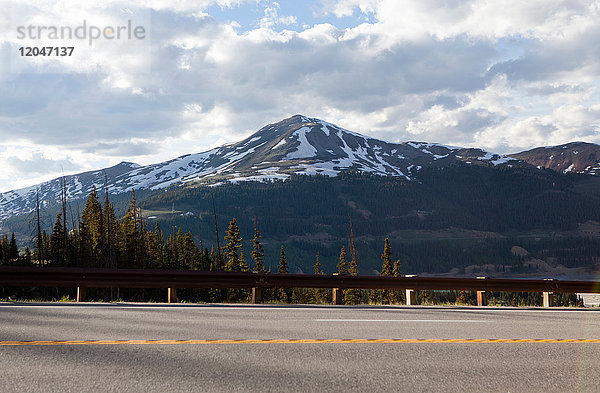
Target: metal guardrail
{"x": 134, "y": 278}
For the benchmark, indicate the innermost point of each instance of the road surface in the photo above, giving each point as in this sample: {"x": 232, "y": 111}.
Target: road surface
{"x": 218, "y": 348}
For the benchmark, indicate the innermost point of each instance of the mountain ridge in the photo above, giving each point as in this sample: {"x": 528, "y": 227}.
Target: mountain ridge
{"x": 295, "y": 145}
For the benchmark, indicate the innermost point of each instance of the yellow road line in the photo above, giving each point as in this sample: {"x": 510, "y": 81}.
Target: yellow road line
{"x": 314, "y": 341}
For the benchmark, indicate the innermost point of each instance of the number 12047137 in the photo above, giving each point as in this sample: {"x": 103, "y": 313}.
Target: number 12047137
{"x": 46, "y": 50}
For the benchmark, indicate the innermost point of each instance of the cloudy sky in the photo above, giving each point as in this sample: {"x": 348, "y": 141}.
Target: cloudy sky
{"x": 503, "y": 75}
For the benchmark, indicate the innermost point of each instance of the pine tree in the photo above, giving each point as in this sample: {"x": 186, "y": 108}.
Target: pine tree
{"x": 92, "y": 219}
{"x": 13, "y": 249}
{"x": 110, "y": 233}
{"x": 257, "y": 250}
{"x": 235, "y": 259}
{"x": 318, "y": 294}
{"x": 129, "y": 239}
{"x": 191, "y": 252}
{"x": 56, "y": 242}
{"x": 342, "y": 265}
{"x": 353, "y": 268}
{"x": 396, "y": 271}
{"x": 233, "y": 247}
{"x": 353, "y": 295}
{"x": 283, "y": 266}
{"x": 317, "y": 265}
{"x": 243, "y": 265}
{"x": 387, "y": 266}
{"x": 386, "y": 269}
{"x": 397, "y": 296}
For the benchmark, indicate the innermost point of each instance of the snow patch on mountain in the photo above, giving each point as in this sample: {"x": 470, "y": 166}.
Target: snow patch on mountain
{"x": 502, "y": 160}
{"x": 279, "y": 144}
{"x": 304, "y": 149}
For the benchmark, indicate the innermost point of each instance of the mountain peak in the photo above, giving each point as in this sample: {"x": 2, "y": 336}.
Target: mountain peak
{"x": 300, "y": 117}
{"x": 294, "y": 120}
{"x": 128, "y": 164}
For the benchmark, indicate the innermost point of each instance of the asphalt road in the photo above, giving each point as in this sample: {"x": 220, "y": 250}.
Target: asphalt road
{"x": 439, "y": 365}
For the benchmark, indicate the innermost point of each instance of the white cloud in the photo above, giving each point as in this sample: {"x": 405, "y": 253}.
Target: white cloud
{"x": 347, "y": 7}
{"x": 188, "y": 6}
{"x": 411, "y": 19}
{"x": 499, "y": 75}
{"x": 272, "y": 17}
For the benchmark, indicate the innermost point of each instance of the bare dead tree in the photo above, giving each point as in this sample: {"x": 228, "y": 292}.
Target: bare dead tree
{"x": 39, "y": 241}
{"x": 107, "y": 223}
{"x": 351, "y": 240}
{"x": 174, "y": 254}
{"x": 216, "y": 230}
{"x": 63, "y": 201}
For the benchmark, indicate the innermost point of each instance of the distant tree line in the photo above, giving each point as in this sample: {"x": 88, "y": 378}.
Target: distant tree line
{"x": 461, "y": 196}
{"x": 100, "y": 240}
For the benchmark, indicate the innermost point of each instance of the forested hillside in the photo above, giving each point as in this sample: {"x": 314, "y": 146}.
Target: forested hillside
{"x": 454, "y": 217}
{"x": 461, "y": 219}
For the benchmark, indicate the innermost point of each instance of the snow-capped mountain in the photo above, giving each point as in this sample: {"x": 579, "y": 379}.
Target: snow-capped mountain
{"x": 24, "y": 200}
{"x": 297, "y": 145}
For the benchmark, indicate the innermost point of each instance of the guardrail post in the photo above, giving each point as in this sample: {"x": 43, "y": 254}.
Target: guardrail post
{"x": 80, "y": 294}
{"x": 411, "y": 297}
{"x": 172, "y": 295}
{"x": 482, "y": 296}
{"x": 411, "y": 294}
{"x": 548, "y": 299}
{"x": 337, "y": 296}
{"x": 256, "y": 295}
{"x": 548, "y": 296}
